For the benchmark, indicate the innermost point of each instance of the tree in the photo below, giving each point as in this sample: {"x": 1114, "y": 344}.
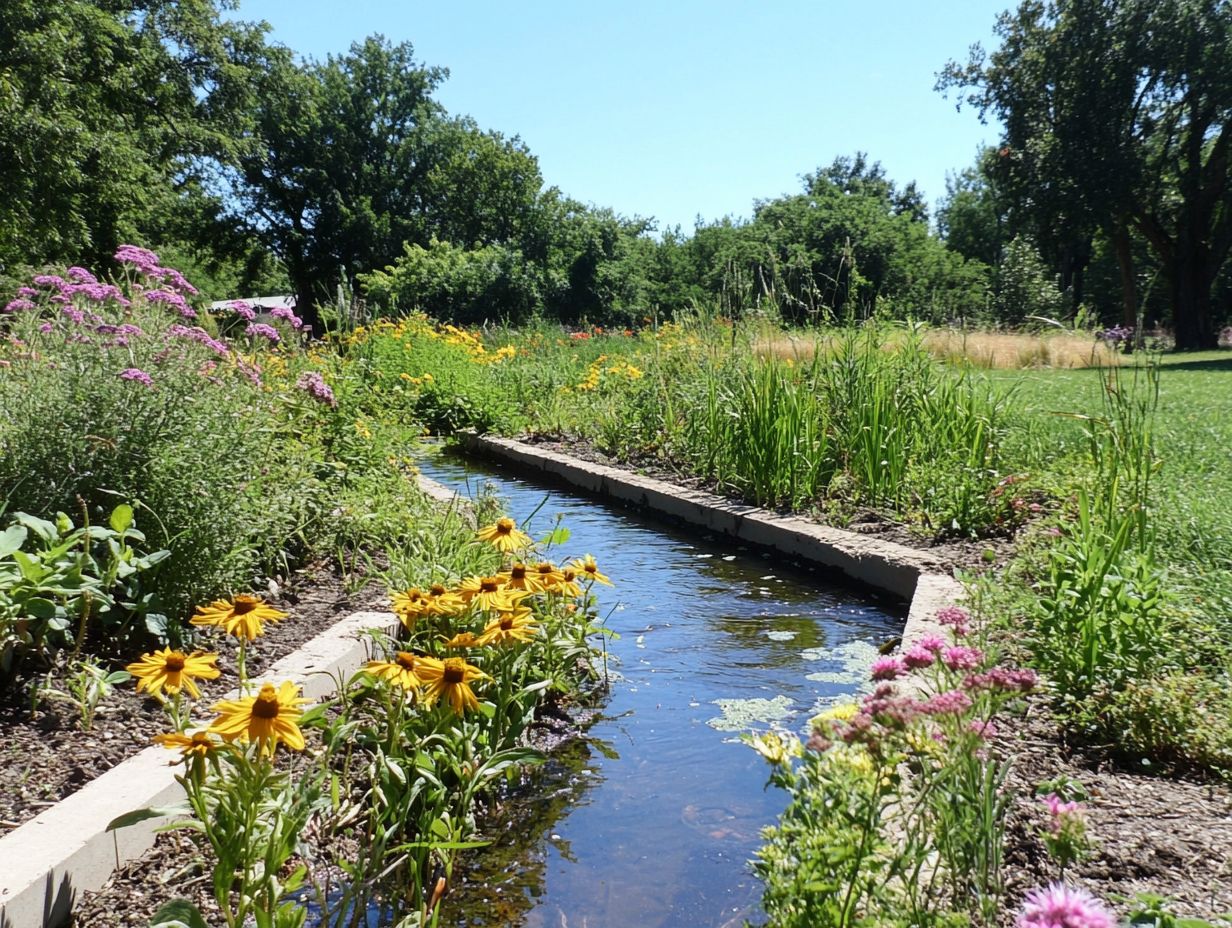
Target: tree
{"x": 972, "y": 217}
{"x": 353, "y": 158}
{"x": 111, "y": 115}
{"x": 1118, "y": 117}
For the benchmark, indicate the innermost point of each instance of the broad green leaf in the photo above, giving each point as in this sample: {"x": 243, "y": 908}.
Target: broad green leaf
{"x": 12, "y": 539}
{"x": 178, "y": 913}
{"x": 121, "y": 518}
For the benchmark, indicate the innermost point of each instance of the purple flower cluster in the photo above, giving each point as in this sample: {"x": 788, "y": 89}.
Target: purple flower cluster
{"x": 81, "y": 284}
{"x": 1059, "y": 906}
{"x": 138, "y": 375}
{"x": 243, "y": 310}
{"x": 200, "y": 336}
{"x": 147, "y": 264}
{"x": 317, "y": 388}
{"x": 1116, "y": 335}
{"x": 261, "y": 330}
{"x": 288, "y": 316}
{"x": 173, "y": 300}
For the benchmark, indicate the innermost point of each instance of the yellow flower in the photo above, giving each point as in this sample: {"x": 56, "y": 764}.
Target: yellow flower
{"x": 587, "y": 569}
{"x": 513, "y": 627}
{"x": 547, "y": 574}
{"x": 244, "y": 616}
{"x": 402, "y": 670}
{"x": 410, "y": 605}
{"x": 451, "y": 679}
{"x": 775, "y": 748}
{"x": 267, "y": 718}
{"x": 503, "y": 534}
{"x": 462, "y": 640}
{"x": 170, "y": 671}
{"x": 444, "y": 601}
{"x": 198, "y": 744}
{"x": 488, "y": 593}
{"x": 567, "y": 585}
{"x": 843, "y": 712}
{"x": 519, "y": 577}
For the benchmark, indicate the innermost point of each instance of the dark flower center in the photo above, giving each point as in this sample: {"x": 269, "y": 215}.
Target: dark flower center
{"x": 438, "y": 589}
{"x": 266, "y": 707}
{"x": 243, "y": 605}
{"x": 489, "y": 585}
{"x": 454, "y": 675}
{"x": 505, "y": 526}
{"x": 405, "y": 660}
{"x": 517, "y": 572}
{"x": 506, "y": 623}
{"x": 174, "y": 663}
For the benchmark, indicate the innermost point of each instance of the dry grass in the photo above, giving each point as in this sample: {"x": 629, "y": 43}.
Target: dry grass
{"x": 988, "y": 350}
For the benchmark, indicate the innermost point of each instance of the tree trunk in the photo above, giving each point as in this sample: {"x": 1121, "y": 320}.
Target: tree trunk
{"x": 1191, "y": 304}
{"x": 1129, "y": 282}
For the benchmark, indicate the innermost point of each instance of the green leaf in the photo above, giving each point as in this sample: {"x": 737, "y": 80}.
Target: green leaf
{"x": 13, "y": 538}
{"x": 178, "y": 913}
{"x": 121, "y": 518}
{"x": 38, "y": 608}
{"x": 556, "y": 537}
{"x": 143, "y": 815}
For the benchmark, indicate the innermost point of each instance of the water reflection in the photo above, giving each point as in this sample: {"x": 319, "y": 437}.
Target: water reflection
{"x": 652, "y": 821}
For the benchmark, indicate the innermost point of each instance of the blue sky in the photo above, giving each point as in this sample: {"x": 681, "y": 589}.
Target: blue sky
{"x": 681, "y": 108}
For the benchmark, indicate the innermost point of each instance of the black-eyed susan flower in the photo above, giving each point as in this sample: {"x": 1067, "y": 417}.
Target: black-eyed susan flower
{"x": 169, "y": 671}
{"x": 197, "y": 744}
{"x": 410, "y": 605}
{"x": 567, "y": 585}
{"x": 267, "y": 718}
{"x": 547, "y": 573}
{"x": 243, "y": 616}
{"x": 462, "y": 640}
{"x": 444, "y": 601}
{"x": 488, "y": 593}
{"x": 521, "y": 577}
{"x": 401, "y": 670}
{"x": 587, "y": 569}
{"x": 451, "y": 680}
{"x": 504, "y": 535}
{"x": 513, "y": 627}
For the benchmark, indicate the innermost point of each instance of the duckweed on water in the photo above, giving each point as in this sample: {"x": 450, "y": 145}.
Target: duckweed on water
{"x": 743, "y": 714}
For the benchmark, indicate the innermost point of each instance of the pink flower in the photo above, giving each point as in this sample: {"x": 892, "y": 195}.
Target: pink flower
{"x": 267, "y": 332}
{"x": 1002, "y": 678}
{"x": 952, "y": 702}
{"x": 1059, "y": 906}
{"x": 962, "y": 658}
{"x": 136, "y": 374}
{"x": 918, "y": 657}
{"x": 317, "y": 388}
{"x": 931, "y": 643}
{"x": 14, "y": 306}
{"x": 953, "y": 615}
{"x": 887, "y": 668}
{"x": 983, "y": 730}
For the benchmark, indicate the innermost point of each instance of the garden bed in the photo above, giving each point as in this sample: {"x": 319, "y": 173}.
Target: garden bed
{"x": 46, "y": 754}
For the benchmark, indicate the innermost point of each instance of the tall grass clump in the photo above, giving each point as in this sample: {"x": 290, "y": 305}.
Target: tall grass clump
{"x": 885, "y": 428}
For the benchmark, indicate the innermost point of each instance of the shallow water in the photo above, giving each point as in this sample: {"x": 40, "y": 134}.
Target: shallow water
{"x": 651, "y": 821}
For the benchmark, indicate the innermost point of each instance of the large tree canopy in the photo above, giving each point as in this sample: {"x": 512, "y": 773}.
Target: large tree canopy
{"x": 352, "y": 159}
{"x": 109, "y": 115}
{"x": 1118, "y": 118}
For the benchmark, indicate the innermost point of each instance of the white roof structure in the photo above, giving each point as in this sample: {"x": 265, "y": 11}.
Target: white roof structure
{"x": 258, "y": 303}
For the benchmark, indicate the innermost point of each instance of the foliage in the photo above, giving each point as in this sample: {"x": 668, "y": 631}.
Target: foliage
{"x": 110, "y": 117}
{"x": 353, "y": 158}
{"x": 1118, "y": 118}
{"x": 897, "y": 804}
{"x": 71, "y": 581}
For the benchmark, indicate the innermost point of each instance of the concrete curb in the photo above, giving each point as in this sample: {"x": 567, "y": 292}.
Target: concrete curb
{"x": 67, "y": 850}
{"x": 914, "y": 575}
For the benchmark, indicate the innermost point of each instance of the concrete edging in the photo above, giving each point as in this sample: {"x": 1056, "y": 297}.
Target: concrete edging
{"x": 914, "y": 575}
{"x": 66, "y": 849}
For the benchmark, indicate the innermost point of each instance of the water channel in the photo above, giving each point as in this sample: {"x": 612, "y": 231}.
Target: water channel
{"x": 652, "y": 819}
